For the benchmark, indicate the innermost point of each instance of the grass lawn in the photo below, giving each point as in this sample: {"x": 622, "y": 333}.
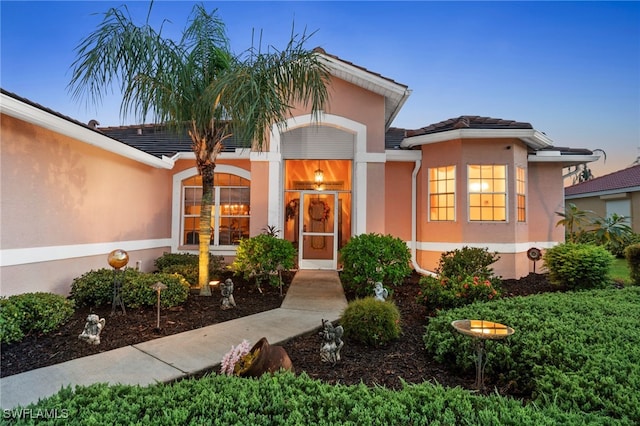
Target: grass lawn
{"x": 620, "y": 270}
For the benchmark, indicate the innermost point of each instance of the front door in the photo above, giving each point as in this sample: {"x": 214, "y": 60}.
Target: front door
{"x": 318, "y": 242}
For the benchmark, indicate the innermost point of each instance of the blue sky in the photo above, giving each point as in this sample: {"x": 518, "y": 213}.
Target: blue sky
{"x": 572, "y": 69}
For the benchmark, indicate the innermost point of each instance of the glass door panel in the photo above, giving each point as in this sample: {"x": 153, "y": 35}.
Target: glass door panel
{"x": 318, "y": 240}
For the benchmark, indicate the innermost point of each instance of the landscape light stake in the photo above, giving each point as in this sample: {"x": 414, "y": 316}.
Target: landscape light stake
{"x": 158, "y": 287}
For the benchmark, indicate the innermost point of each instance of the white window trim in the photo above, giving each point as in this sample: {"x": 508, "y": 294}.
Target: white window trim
{"x": 177, "y": 205}
{"x": 506, "y": 195}
{"x": 455, "y": 183}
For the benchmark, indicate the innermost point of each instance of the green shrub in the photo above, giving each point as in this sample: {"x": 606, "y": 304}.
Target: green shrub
{"x": 137, "y": 291}
{"x": 260, "y": 257}
{"x": 467, "y": 262}
{"x": 11, "y": 319}
{"x": 186, "y": 264}
{"x": 288, "y": 399}
{"x": 579, "y": 350}
{"x": 95, "y": 288}
{"x": 632, "y": 255}
{"x": 445, "y": 293}
{"x": 617, "y": 247}
{"x": 32, "y": 312}
{"x": 578, "y": 266}
{"x": 371, "y": 258}
{"x": 189, "y": 272}
{"x": 370, "y": 321}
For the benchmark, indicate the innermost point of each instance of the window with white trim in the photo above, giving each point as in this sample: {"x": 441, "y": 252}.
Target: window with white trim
{"x": 442, "y": 193}
{"x": 521, "y": 193}
{"x": 230, "y": 214}
{"x": 487, "y": 186}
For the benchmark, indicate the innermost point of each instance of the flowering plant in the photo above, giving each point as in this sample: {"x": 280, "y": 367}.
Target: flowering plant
{"x": 444, "y": 293}
{"x": 232, "y": 357}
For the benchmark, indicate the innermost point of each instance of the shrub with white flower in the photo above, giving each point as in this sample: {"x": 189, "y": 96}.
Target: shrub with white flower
{"x": 232, "y": 357}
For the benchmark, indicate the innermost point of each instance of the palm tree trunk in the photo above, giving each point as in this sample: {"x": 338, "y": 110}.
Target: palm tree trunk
{"x": 205, "y": 228}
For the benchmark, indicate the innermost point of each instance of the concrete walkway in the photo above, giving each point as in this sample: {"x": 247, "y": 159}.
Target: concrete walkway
{"x": 312, "y": 296}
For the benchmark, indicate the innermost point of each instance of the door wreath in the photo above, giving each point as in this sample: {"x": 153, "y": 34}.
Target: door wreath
{"x": 318, "y": 212}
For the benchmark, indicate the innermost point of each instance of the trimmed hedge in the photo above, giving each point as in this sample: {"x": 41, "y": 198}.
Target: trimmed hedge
{"x": 370, "y": 321}
{"x": 371, "y": 258}
{"x": 95, "y": 288}
{"x": 285, "y": 399}
{"x": 580, "y": 350}
{"x": 32, "y": 312}
{"x": 578, "y": 266}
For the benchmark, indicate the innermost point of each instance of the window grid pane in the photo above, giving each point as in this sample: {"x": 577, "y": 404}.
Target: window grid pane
{"x": 521, "y": 194}
{"x": 487, "y": 193}
{"x": 442, "y": 193}
{"x": 231, "y": 207}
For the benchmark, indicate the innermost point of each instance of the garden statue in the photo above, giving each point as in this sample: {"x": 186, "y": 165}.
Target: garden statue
{"x": 381, "y": 292}
{"x": 92, "y": 329}
{"x": 332, "y": 342}
{"x": 227, "y": 294}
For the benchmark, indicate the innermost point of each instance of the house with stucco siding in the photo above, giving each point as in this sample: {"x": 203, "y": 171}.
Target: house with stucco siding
{"x": 617, "y": 192}
{"x": 73, "y": 192}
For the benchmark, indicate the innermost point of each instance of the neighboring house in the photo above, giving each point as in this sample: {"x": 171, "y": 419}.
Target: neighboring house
{"x": 617, "y": 192}
{"x": 71, "y": 192}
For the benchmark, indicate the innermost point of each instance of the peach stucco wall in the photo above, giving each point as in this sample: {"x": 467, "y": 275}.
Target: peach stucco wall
{"x": 398, "y": 200}
{"x": 544, "y": 197}
{"x": 60, "y": 192}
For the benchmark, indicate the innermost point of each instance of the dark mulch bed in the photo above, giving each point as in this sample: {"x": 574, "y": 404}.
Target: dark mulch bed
{"x": 403, "y": 360}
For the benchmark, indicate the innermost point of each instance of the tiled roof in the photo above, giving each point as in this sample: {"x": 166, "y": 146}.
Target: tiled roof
{"x": 469, "y": 122}
{"x": 393, "y": 137}
{"x": 625, "y": 178}
{"x": 158, "y": 140}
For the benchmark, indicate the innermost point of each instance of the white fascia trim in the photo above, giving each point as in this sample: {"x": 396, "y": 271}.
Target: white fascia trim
{"x": 531, "y": 137}
{"x": 492, "y": 247}
{"x": 376, "y": 84}
{"x": 601, "y": 193}
{"x": 370, "y": 157}
{"x": 265, "y": 156}
{"x": 403, "y": 155}
{"x": 22, "y": 256}
{"x": 25, "y": 112}
{"x": 559, "y": 158}
{"x": 238, "y": 154}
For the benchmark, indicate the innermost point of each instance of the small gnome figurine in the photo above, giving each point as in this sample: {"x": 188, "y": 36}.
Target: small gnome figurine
{"x": 92, "y": 329}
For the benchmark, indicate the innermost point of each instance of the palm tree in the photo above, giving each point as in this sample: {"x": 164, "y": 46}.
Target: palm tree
{"x": 574, "y": 220}
{"x": 196, "y": 84}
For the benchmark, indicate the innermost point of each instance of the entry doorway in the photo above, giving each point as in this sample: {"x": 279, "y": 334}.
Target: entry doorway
{"x": 318, "y": 235}
{"x": 317, "y": 210}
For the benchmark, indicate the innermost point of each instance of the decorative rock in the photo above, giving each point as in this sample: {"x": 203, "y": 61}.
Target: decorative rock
{"x": 92, "y": 329}
{"x": 332, "y": 342}
{"x": 226, "y": 289}
{"x": 381, "y": 292}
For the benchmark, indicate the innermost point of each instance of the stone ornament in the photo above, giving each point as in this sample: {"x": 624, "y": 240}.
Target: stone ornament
{"x": 331, "y": 342}
{"x": 226, "y": 289}
{"x": 381, "y": 293}
{"x": 92, "y": 329}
